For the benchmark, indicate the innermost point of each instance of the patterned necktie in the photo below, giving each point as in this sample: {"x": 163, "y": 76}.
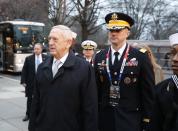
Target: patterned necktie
{"x": 116, "y": 60}
{"x": 55, "y": 67}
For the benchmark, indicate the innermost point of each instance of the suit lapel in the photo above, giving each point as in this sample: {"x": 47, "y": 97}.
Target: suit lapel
{"x": 59, "y": 73}
{"x": 104, "y": 60}
{"x": 130, "y": 54}
{"x": 33, "y": 63}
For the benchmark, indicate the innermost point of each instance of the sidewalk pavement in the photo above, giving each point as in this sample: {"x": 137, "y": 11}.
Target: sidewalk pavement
{"x": 12, "y": 105}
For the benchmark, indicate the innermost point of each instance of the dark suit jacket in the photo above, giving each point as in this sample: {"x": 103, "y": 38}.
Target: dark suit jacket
{"x": 165, "y": 111}
{"x": 136, "y": 91}
{"x": 67, "y": 102}
{"x": 28, "y": 73}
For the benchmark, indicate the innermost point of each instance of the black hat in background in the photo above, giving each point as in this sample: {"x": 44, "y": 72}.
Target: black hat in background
{"x": 118, "y": 21}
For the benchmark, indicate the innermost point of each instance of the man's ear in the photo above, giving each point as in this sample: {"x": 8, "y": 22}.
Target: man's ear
{"x": 128, "y": 33}
{"x": 69, "y": 43}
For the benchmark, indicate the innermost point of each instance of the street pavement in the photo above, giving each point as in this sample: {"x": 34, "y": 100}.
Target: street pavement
{"x": 12, "y": 105}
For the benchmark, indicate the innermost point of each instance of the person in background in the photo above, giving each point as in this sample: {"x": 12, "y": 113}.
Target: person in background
{"x": 89, "y": 47}
{"x": 28, "y": 74}
{"x": 73, "y": 47}
{"x": 125, "y": 80}
{"x": 167, "y": 58}
{"x": 74, "y": 37}
{"x": 159, "y": 75}
{"x": 65, "y": 95}
{"x": 165, "y": 117}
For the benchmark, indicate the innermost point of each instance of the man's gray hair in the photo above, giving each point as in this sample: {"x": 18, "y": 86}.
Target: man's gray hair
{"x": 74, "y": 35}
{"x": 65, "y": 31}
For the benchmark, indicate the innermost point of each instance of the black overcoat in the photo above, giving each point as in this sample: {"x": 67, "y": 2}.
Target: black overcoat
{"x": 136, "y": 92}
{"x": 28, "y": 73}
{"x": 166, "y": 107}
{"x": 67, "y": 102}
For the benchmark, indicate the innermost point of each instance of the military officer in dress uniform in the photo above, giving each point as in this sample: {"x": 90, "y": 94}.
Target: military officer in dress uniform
{"x": 166, "y": 114}
{"x": 125, "y": 80}
{"x": 88, "y": 50}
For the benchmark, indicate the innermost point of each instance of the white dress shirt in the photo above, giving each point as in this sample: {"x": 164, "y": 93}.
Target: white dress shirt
{"x": 60, "y": 61}
{"x": 121, "y": 50}
{"x": 38, "y": 58}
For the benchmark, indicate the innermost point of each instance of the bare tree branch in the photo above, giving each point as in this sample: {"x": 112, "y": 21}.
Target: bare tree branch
{"x": 88, "y": 12}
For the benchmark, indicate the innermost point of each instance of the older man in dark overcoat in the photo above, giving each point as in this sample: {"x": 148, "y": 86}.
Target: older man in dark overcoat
{"x": 65, "y": 96}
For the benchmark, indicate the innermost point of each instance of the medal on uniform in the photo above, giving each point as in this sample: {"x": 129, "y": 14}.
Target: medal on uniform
{"x": 114, "y": 92}
{"x": 114, "y": 95}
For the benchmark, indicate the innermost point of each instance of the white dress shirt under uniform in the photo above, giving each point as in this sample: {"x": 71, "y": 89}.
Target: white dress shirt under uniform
{"x": 121, "y": 50}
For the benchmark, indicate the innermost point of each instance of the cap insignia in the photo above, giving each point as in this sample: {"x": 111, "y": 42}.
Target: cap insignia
{"x": 114, "y": 16}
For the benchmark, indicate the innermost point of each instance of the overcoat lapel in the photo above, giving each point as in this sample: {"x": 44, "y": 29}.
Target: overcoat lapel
{"x": 43, "y": 58}
{"x": 47, "y": 68}
{"x": 70, "y": 62}
{"x": 59, "y": 73}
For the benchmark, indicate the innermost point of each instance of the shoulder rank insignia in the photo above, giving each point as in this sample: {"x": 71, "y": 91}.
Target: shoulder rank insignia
{"x": 143, "y": 50}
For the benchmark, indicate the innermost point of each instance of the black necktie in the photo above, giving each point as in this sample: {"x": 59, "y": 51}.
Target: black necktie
{"x": 116, "y": 60}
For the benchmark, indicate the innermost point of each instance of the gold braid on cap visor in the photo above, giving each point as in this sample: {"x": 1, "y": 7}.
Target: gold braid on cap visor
{"x": 117, "y": 23}
{"x": 88, "y": 46}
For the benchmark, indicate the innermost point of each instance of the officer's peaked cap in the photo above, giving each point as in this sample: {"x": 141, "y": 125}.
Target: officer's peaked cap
{"x": 89, "y": 44}
{"x": 117, "y": 21}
